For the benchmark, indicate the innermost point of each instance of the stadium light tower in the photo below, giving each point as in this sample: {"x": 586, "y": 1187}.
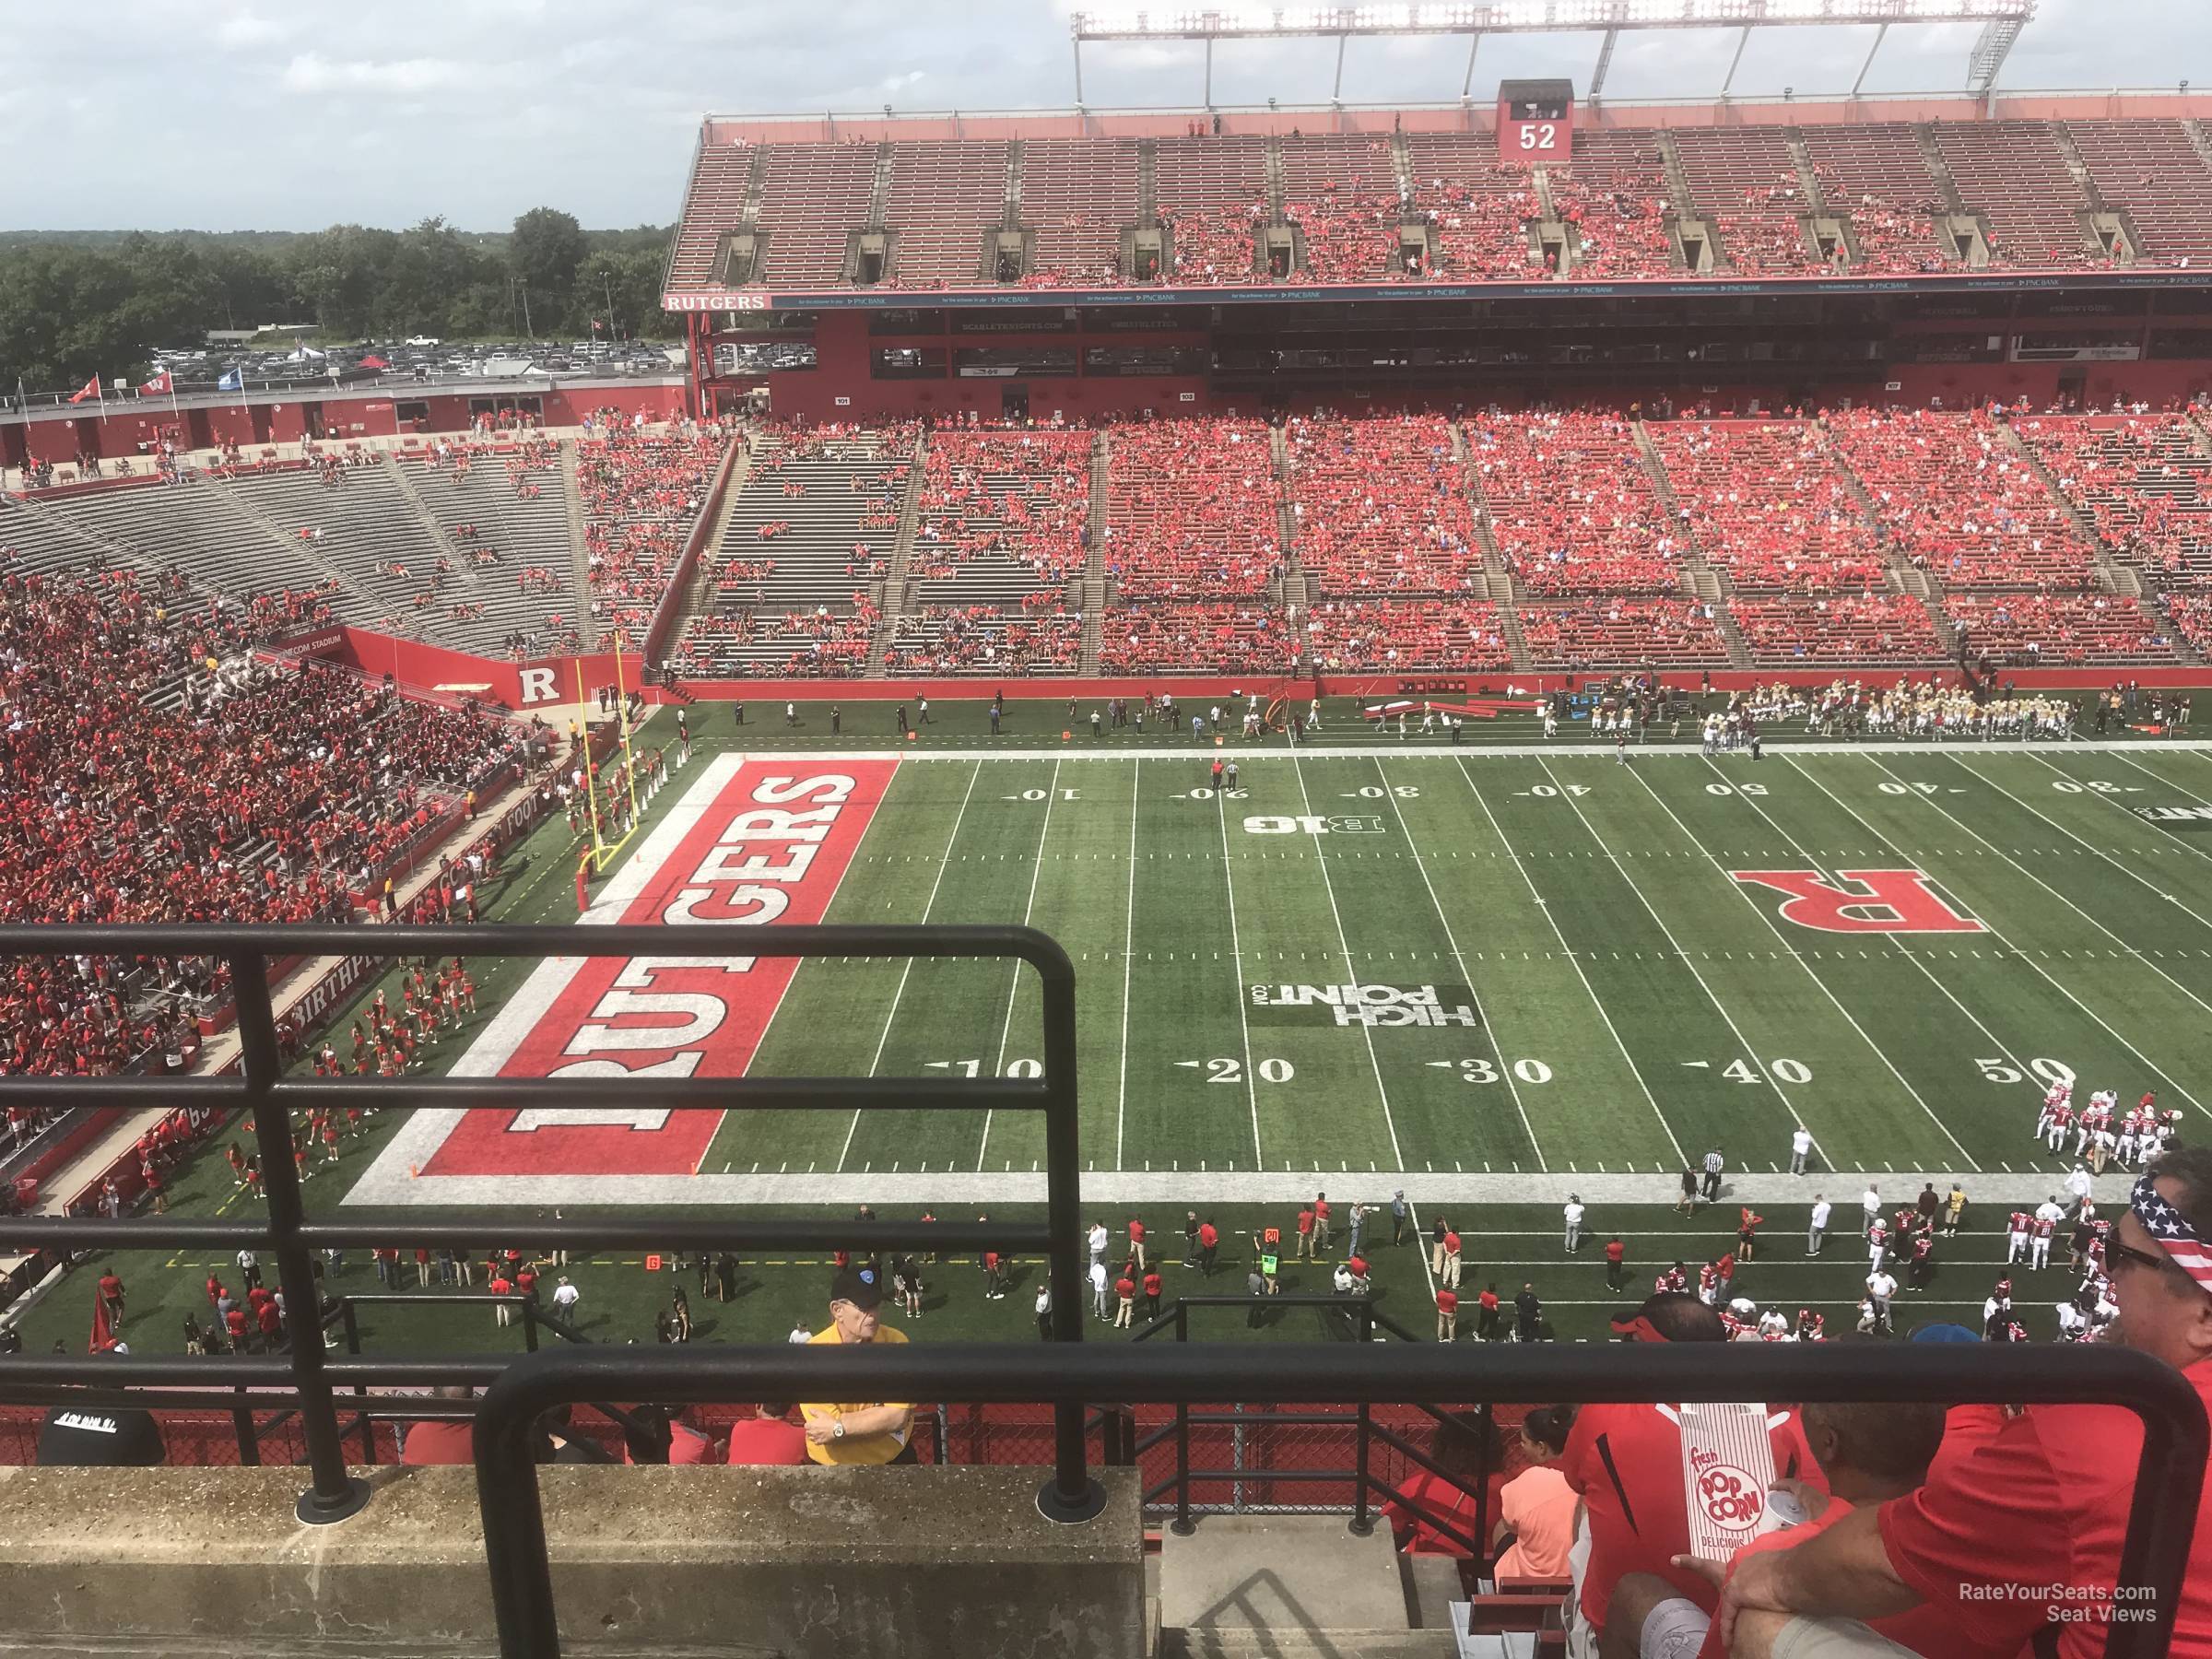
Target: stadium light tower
{"x": 2002, "y": 23}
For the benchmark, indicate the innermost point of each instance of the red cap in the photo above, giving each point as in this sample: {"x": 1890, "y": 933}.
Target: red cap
{"x": 1358, "y": 1265}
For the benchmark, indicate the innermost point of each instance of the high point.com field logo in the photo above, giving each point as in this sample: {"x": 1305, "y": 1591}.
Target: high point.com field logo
{"x": 1367, "y": 1005}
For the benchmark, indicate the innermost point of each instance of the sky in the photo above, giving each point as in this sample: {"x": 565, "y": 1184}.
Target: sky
{"x": 257, "y": 114}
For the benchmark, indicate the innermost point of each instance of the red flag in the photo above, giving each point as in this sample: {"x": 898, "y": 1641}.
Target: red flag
{"x": 374, "y": 362}
{"x": 103, "y": 1336}
{"x": 156, "y": 386}
{"x": 90, "y": 389}
{"x": 597, "y": 327}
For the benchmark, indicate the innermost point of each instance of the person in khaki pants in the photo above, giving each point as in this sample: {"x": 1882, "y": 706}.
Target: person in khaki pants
{"x": 1124, "y": 1290}
{"x": 1447, "y": 1315}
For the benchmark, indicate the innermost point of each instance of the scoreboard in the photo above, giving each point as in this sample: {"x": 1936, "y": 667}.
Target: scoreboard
{"x": 1535, "y": 123}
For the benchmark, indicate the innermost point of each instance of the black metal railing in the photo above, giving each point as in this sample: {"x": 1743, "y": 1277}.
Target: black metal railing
{"x": 1364, "y": 1322}
{"x": 2168, "y": 1478}
{"x": 306, "y": 1378}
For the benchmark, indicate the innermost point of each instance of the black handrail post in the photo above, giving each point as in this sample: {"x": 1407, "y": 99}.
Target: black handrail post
{"x": 249, "y": 1440}
{"x": 1071, "y": 1495}
{"x": 529, "y": 1326}
{"x": 353, "y": 1348}
{"x": 1182, "y": 1526}
{"x": 334, "y": 1494}
{"x": 1362, "y": 1521}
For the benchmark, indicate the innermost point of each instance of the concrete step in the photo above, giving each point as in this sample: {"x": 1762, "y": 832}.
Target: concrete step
{"x": 1297, "y": 1643}
{"x": 1271, "y": 1575}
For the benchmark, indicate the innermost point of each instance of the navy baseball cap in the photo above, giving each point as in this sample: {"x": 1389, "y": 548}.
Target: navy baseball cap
{"x": 863, "y": 1287}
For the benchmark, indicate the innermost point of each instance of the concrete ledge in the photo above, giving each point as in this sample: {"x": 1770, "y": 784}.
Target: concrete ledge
{"x": 856, "y": 1563}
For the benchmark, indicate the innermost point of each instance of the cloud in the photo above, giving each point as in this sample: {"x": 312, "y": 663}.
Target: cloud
{"x": 311, "y": 72}
{"x": 243, "y": 30}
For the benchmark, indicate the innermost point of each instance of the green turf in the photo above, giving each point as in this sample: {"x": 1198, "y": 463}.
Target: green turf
{"x": 1636, "y": 1003}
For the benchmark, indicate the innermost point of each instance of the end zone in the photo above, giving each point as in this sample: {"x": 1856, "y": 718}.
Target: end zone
{"x": 753, "y": 841}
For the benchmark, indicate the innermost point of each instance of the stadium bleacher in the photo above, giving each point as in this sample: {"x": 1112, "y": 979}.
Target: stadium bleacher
{"x": 1745, "y": 179}
{"x": 1192, "y": 508}
{"x": 2012, "y": 173}
{"x": 1960, "y": 501}
{"x": 1381, "y": 505}
{"x": 1764, "y": 501}
{"x": 1571, "y": 505}
{"x": 2140, "y": 479}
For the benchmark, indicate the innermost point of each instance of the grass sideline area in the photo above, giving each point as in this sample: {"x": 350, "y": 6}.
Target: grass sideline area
{"x": 1633, "y": 1001}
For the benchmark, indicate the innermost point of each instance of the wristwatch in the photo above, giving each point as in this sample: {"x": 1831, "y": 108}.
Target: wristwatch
{"x": 837, "y": 1430}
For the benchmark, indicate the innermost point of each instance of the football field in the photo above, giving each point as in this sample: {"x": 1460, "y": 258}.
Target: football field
{"x": 1501, "y": 971}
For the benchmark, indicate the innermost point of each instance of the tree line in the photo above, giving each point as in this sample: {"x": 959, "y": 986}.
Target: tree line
{"x": 73, "y": 306}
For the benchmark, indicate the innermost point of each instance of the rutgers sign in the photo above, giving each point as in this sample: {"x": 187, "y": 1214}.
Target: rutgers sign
{"x": 1861, "y": 902}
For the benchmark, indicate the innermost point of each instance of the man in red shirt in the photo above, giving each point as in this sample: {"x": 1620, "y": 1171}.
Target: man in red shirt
{"x": 1209, "y": 1245}
{"x": 1447, "y": 1315}
{"x": 1450, "y": 1276}
{"x": 1870, "y": 1453}
{"x": 1616, "y": 1264}
{"x": 768, "y": 1437}
{"x": 2044, "y": 1500}
{"x": 429, "y": 1443}
{"x": 1137, "y": 1244}
{"x": 271, "y": 1322}
{"x": 1305, "y": 1232}
{"x": 1125, "y": 1291}
{"x": 1633, "y": 1467}
{"x": 1153, "y": 1287}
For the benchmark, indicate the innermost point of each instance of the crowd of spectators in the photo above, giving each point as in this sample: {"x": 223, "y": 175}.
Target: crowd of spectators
{"x": 2191, "y": 614}
{"x": 820, "y": 643}
{"x": 1192, "y": 510}
{"x": 1961, "y": 501}
{"x": 152, "y": 774}
{"x": 2013, "y": 629}
{"x": 1893, "y": 239}
{"x": 641, "y": 489}
{"x": 1215, "y": 244}
{"x": 1613, "y": 629}
{"x": 2140, "y": 479}
{"x": 1838, "y": 628}
{"x": 1350, "y": 230}
{"x": 1360, "y": 635}
{"x": 1571, "y": 505}
{"x": 1478, "y": 224}
{"x": 1024, "y": 495}
{"x": 1621, "y": 223}
{"x": 1767, "y": 235}
{"x": 1381, "y": 505}
{"x": 1765, "y": 501}
{"x": 1211, "y": 638}
{"x": 981, "y": 638}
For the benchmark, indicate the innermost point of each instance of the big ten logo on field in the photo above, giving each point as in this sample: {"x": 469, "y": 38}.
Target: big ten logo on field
{"x": 2176, "y": 817}
{"x": 1867, "y": 902}
{"x": 1363, "y": 1005}
{"x": 1307, "y": 823}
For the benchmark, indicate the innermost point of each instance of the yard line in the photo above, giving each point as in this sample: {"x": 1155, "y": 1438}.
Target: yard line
{"x": 2027, "y": 1079}
{"x": 2023, "y": 956}
{"x": 1120, "y": 1107}
{"x": 2179, "y": 841}
{"x": 1236, "y": 952}
{"x": 1504, "y": 1069}
{"x": 1368, "y": 1032}
{"x": 1596, "y": 1001}
{"x": 888, "y": 1019}
{"x": 1005, "y": 1033}
{"x": 1672, "y": 944}
{"x": 2092, "y": 846}
{"x": 1784, "y": 939}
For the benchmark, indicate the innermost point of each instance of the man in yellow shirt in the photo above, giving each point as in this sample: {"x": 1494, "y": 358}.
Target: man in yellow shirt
{"x": 865, "y": 1432}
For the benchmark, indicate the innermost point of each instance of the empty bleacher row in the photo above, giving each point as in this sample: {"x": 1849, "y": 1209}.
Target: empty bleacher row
{"x": 2141, "y": 481}
{"x": 1348, "y": 192}
{"x": 1365, "y": 543}
{"x": 790, "y": 583}
{"x": 505, "y": 520}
